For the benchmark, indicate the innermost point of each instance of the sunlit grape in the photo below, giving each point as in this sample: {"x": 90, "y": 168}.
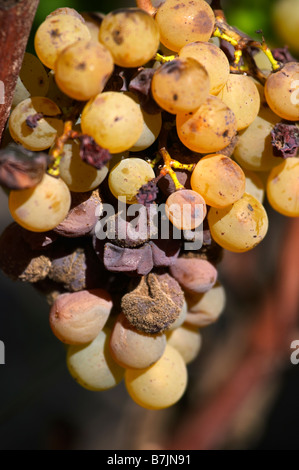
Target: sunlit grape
{"x": 182, "y": 23}
{"x": 239, "y": 227}
{"x": 219, "y": 180}
{"x": 209, "y": 129}
{"x": 282, "y": 91}
{"x": 131, "y": 35}
{"x": 56, "y": 33}
{"x": 283, "y": 187}
{"x": 83, "y": 69}
{"x": 213, "y": 59}
{"x": 240, "y": 94}
{"x": 114, "y": 120}
{"x": 180, "y": 85}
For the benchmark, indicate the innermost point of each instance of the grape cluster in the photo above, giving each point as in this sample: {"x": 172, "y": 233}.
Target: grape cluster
{"x": 151, "y": 106}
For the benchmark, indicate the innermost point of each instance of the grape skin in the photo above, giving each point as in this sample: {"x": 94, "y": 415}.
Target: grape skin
{"x": 281, "y": 89}
{"x": 209, "y": 129}
{"x": 239, "y": 227}
{"x": 79, "y": 176}
{"x": 283, "y": 187}
{"x": 254, "y": 150}
{"x": 205, "y": 309}
{"x": 160, "y": 385}
{"x": 186, "y": 209}
{"x": 114, "y": 120}
{"x": 131, "y": 35}
{"x": 56, "y": 33}
{"x": 32, "y": 81}
{"x": 241, "y": 95}
{"x": 44, "y": 135}
{"x": 181, "y": 85}
{"x": 187, "y": 341}
{"x": 219, "y": 180}
{"x": 83, "y": 69}
{"x": 213, "y": 59}
{"x": 92, "y": 366}
{"x": 127, "y": 177}
{"x": 133, "y": 349}
{"x": 182, "y": 23}
{"x": 43, "y": 207}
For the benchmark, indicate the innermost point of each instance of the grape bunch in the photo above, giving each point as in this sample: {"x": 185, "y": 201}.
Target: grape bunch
{"x": 143, "y": 107}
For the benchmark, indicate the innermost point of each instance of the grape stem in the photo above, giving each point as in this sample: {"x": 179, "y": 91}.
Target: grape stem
{"x": 57, "y": 151}
{"x": 147, "y": 6}
{"x": 164, "y": 58}
{"x": 243, "y": 45}
{"x": 169, "y": 164}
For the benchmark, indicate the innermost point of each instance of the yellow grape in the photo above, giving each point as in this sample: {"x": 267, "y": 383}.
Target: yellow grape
{"x": 183, "y": 22}
{"x": 93, "y": 22}
{"x": 213, "y": 60}
{"x": 239, "y": 227}
{"x": 92, "y": 365}
{"x": 242, "y": 97}
{"x": 44, "y": 134}
{"x": 219, "y": 180}
{"x": 43, "y": 207}
{"x": 133, "y": 349}
{"x": 127, "y": 177}
{"x": 78, "y": 175}
{"x": 56, "y": 33}
{"x": 160, "y": 385}
{"x": 180, "y": 85}
{"x": 83, "y": 69}
{"x": 286, "y": 20}
{"x": 186, "y": 209}
{"x": 282, "y": 91}
{"x": 283, "y": 187}
{"x": 152, "y": 125}
{"x": 209, "y": 129}
{"x": 131, "y": 35}
{"x": 187, "y": 341}
{"x": 254, "y": 150}
{"x": 254, "y": 185}
{"x": 114, "y": 120}
{"x": 32, "y": 81}
{"x": 205, "y": 309}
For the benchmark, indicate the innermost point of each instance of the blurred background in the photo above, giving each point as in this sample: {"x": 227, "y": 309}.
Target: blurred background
{"x": 243, "y": 389}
